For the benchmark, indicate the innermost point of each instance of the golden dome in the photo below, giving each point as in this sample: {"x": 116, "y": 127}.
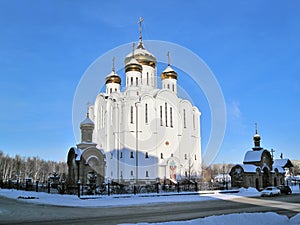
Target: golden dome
{"x": 169, "y": 73}
{"x": 133, "y": 65}
{"x": 142, "y": 56}
{"x": 113, "y": 78}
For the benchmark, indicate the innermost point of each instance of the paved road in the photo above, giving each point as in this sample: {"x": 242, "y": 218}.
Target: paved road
{"x": 17, "y": 212}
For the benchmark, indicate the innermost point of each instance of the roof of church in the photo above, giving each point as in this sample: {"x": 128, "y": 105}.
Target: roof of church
{"x": 87, "y": 121}
{"x": 283, "y": 163}
{"x": 253, "y": 156}
{"x": 248, "y": 168}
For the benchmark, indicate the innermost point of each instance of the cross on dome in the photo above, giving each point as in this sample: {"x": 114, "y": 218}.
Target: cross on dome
{"x": 140, "y": 22}
{"x": 113, "y": 64}
{"x": 168, "y": 54}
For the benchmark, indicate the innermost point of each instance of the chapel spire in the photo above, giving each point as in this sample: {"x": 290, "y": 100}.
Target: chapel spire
{"x": 141, "y": 34}
{"x": 256, "y": 139}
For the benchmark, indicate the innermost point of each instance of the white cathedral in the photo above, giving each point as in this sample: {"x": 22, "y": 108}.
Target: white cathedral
{"x": 142, "y": 134}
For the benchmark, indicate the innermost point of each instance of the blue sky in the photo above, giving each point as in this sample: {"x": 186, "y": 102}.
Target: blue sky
{"x": 252, "y": 47}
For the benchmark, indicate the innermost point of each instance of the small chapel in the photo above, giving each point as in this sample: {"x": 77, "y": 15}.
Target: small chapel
{"x": 259, "y": 169}
{"x": 138, "y": 132}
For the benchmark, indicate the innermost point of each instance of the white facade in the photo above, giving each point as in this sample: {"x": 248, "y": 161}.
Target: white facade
{"x": 146, "y": 133}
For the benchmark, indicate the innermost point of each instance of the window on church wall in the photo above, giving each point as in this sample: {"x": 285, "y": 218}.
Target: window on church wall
{"x": 115, "y": 89}
{"x": 184, "y": 119}
{"x": 195, "y": 157}
{"x": 131, "y": 114}
{"x": 160, "y": 115}
{"x": 185, "y": 156}
{"x": 147, "y": 173}
{"x": 110, "y": 90}
{"x": 136, "y": 81}
{"x": 161, "y": 155}
{"x": 166, "y": 113}
{"x": 131, "y": 173}
{"x": 172, "y": 155}
{"x": 121, "y": 154}
{"x": 186, "y": 173}
{"x": 111, "y": 155}
{"x": 173, "y": 87}
{"x": 146, "y": 155}
{"x": 168, "y": 86}
{"x": 147, "y": 78}
{"x": 171, "y": 117}
{"x": 131, "y": 81}
{"x": 131, "y": 155}
{"x": 194, "y": 124}
{"x": 146, "y": 113}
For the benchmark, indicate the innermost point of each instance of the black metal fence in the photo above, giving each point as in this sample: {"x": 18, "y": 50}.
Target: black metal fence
{"x": 60, "y": 187}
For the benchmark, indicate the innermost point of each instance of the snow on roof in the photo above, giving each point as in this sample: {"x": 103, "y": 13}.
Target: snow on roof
{"x": 249, "y": 168}
{"x": 279, "y": 168}
{"x": 253, "y": 156}
{"x": 281, "y": 162}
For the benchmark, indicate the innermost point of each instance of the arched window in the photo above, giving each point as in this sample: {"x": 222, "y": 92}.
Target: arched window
{"x": 173, "y": 87}
{"x": 131, "y": 81}
{"x": 160, "y": 114}
{"x": 161, "y": 155}
{"x": 131, "y": 155}
{"x": 147, "y": 173}
{"x": 146, "y": 113}
{"x": 168, "y": 86}
{"x": 136, "y": 81}
{"x": 147, "y": 78}
{"x": 146, "y": 155}
{"x": 131, "y": 114}
{"x": 166, "y": 113}
{"x": 171, "y": 117}
{"x": 184, "y": 119}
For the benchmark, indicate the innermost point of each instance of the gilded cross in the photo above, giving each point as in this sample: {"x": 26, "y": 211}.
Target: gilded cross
{"x": 168, "y": 54}
{"x": 140, "y": 22}
{"x": 113, "y": 64}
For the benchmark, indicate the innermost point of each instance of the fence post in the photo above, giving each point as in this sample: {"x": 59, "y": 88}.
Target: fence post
{"x": 196, "y": 186}
{"x": 37, "y": 186}
{"x": 48, "y": 186}
{"x": 178, "y": 187}
{"x": 108, "y": 189}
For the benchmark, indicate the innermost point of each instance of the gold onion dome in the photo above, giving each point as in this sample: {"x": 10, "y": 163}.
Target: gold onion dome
{"x": 133, "y": 65}
{"x": 169, "y": 73}
{"x": 113, "y": 78}
{"x": 142, "y": 56}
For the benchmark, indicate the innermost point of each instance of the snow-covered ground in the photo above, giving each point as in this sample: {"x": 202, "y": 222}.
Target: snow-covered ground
{"x": 126, "y": 200}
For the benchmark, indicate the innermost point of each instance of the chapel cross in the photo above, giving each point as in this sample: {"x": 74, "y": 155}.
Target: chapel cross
{"x": 87, "y": 106}
{"x": 133, "y": 49}
{"x": 168, "y": 54}
{"x": 113, "y": 64}
{"x": 140, "y": 22}
{"x": 272, "y": 152}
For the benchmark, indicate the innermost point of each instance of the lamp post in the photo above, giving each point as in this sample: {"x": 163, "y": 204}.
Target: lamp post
{"x": 78, "y": 187}
{"x": 157, "y": 185}
{"x": 63, "y": 186}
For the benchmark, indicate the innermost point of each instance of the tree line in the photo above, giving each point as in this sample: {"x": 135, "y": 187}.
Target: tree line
{"x": 21, "y": 168}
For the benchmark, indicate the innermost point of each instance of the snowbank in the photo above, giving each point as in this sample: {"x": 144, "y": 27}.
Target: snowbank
{"x": 268, "y": 218}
